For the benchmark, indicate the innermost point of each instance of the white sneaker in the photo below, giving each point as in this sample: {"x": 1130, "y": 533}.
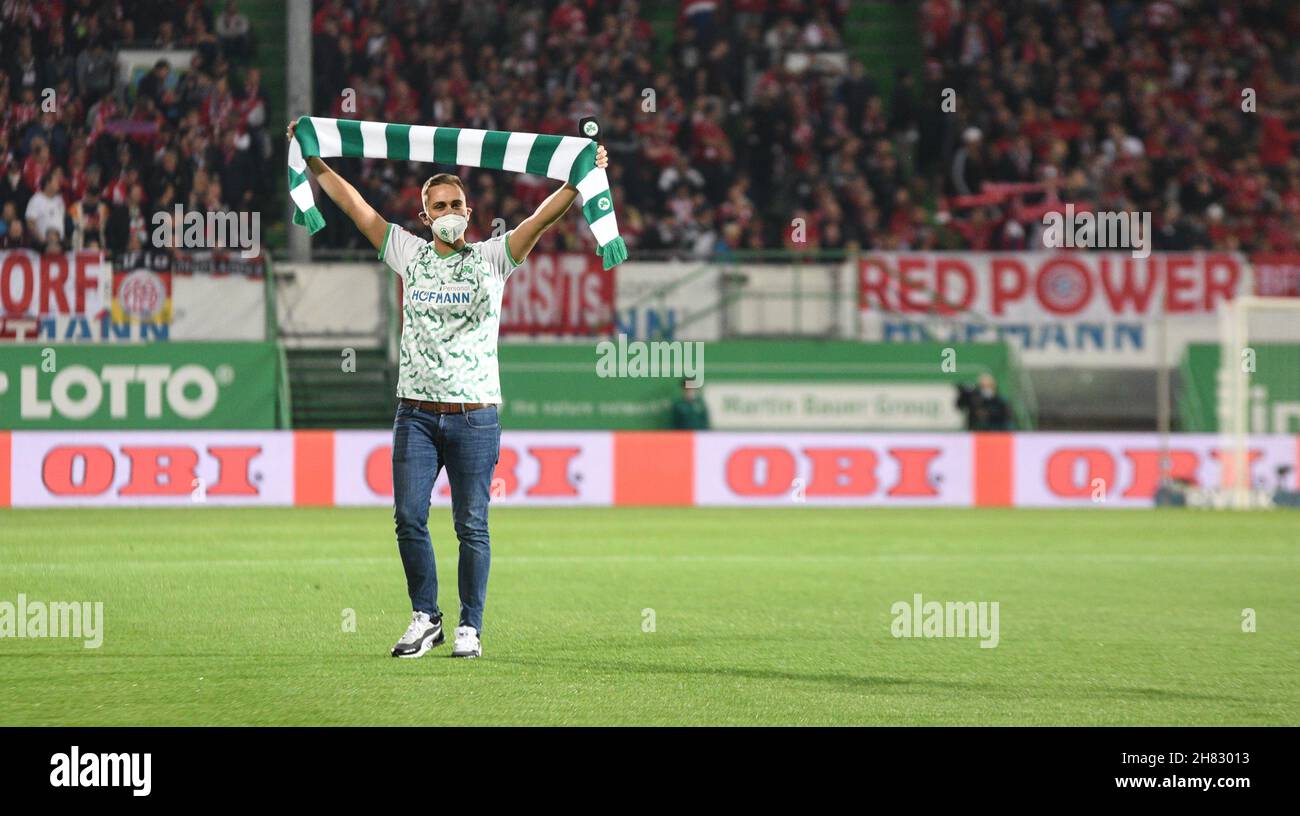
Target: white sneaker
{"x": 422, "y": 635}
{"x": 467, "y": 643}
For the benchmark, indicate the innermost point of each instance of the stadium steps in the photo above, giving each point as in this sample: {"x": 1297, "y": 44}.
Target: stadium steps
{"x": 325, "y": 396}
{"x": 269, "y": 21}
{"x": 663, "y": 21}
{"x": 885, "y": 36}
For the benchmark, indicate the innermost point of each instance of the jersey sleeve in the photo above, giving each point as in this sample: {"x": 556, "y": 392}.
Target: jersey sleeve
{"x": 399, "y": 248}
{"x": 497, "y": 253}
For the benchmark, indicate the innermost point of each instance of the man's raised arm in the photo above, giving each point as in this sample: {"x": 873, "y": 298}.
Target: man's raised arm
{"x": 342, "y": 193}
{"x": 524, "y": 237}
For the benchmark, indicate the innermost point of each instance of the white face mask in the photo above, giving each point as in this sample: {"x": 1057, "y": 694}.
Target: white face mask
{"x": 450, "y": 227}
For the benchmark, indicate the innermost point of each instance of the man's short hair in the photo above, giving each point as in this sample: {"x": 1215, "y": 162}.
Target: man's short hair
{"x": 442, "y": 178}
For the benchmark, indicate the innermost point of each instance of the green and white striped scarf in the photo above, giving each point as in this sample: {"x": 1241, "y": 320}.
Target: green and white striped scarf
{"x": 564, "y": 158}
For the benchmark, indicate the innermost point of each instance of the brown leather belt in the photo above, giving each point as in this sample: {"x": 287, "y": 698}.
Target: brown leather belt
{"x": 445, "y": 407}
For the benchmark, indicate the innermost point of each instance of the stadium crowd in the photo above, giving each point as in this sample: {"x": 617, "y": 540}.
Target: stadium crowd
{"x": 1186, "y": 109}
{"x": 730, "y": 133}
{"x": 751, "y": 115}
{"x": 86, "y": 158}
{"x": 692, "y": 124}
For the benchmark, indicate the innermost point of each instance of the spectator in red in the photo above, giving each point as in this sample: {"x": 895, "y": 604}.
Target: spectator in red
{"x": 37, "y": 164}
{"x": 332, "y": 11}
{"x": 568, "y": 19}
{"x": 1276, "y": 141}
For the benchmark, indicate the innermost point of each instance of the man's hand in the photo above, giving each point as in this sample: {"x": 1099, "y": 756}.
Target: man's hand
{"x": 314, "y": 164}
{"x": 521, "y": 240}
{"x": 371, "y": 224}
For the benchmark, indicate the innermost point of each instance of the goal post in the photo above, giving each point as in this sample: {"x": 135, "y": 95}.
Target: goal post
{"x": 1258, "y": 381}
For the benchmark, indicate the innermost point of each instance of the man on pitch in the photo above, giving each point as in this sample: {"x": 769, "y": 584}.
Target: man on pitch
{"x": 448, "y": 389}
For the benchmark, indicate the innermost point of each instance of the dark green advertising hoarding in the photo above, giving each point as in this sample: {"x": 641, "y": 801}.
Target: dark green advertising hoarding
{"x": 1273, "y": 395}
{"x": 778, "y": 386}
{"x": 139, "y": 387}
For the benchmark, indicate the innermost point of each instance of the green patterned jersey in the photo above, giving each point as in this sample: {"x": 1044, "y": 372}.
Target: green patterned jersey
{"x": 451, "y": 309}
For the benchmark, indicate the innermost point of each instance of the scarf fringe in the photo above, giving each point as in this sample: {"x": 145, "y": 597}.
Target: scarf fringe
{"x": 311, "y": 219}
{"x": 613, "y": 253}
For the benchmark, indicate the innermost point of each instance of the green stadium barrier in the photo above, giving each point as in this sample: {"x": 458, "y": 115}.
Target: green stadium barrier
{"x": 554, "y": 386}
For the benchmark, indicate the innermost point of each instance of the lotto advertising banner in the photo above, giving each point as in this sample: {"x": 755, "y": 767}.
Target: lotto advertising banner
{"x": 1058, "y": 308}
{"x": 633, "y": 468}
{"x": 150, "y": 386}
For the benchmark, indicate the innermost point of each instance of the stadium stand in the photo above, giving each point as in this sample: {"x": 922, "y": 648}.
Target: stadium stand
{"x": 99, "y": 156}
{"x": 762, "y": 111}
{"x": 1165, "y": 107}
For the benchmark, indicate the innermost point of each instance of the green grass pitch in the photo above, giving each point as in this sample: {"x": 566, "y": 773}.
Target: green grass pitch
{"x": 761, "y": 616}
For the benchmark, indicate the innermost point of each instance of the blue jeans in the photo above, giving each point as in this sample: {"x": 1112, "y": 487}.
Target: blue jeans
{"x": 468, "y": 446}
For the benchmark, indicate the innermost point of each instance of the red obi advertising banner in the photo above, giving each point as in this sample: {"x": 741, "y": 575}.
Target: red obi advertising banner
{"x": 535, "y": 468}
{"x": 834, "y": 469}
{"x": 1123, "y": 470}
{"x": 674, "y": 468}
{"x": 177, "y": 468}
